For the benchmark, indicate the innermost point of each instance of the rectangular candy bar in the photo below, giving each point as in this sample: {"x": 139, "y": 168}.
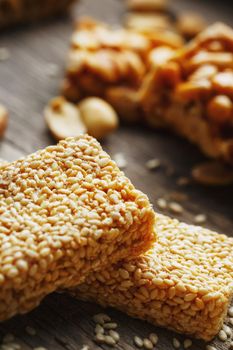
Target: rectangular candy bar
{"x": 65, "y": 211}
{"x": 184, "y": 283}
{"x": 112, "y": 63}
{"x": 192, "y": 93}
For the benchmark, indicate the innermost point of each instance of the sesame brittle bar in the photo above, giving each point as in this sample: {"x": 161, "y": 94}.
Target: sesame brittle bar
{"x": 108, "y": 62}
{"x": 184, "y": 283}
{"x": 65, "y": 211}
{"x": 192, "y": 93}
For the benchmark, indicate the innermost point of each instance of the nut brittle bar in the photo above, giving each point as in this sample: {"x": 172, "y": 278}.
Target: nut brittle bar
{"x": 102, "y": 59}
{"x": 184, "y": 283}
{"x": 192, "y": 93}
{"x": 65, "y": 211}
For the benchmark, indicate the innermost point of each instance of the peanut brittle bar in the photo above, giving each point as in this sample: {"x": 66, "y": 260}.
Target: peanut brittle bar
{"x": 102, "y": 59}
{"x": 65, "y": 211}
{"x": 192, "y": 93}
{"x": 184, "y": 283}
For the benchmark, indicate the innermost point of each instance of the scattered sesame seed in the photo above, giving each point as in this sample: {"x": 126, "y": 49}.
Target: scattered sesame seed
{"x": 99, "y": 338}
{"x": 227, "y": 330}
{"x": 210, "y": 347}
{"x": 162, "y": 203}
{"x": 147, "y": 343}
{"x": 153, "y": 338}
{"x": 231, "y": 321}
{"x": 183, "y": 181}
{"x": 30, "y": 330}
{"x": 120, "y": 160}
{"x": 109, "y": 340}
{"x": 222, "y": 335}
{"x": 175, "y": 207}
{"x": 111, "y": 325}
{"x": 115, "y": 335}
{"x": 153, "y": 164}
{"x": 8, "y": 338}
{"x": 4, "y": 54}
{"x": 176, "y": 343}
{"x": 99, "y": 329}
{"x": 200, "y": 219}
{"x": 101, "y": 318}
{"x": 138, "y": 341}
{"x": 231, "y": 345}
{"x": 187, "y": 343}
{"x": 85, "y": 347}
{"x": 230, "y": 312}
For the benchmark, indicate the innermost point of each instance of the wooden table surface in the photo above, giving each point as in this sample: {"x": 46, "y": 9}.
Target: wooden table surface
{"x": 26, "y": 84}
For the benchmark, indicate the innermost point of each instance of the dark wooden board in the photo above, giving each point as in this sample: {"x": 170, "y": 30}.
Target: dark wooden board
{"x": 25, "y": 88}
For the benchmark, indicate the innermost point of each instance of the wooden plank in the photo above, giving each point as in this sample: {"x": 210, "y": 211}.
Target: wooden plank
{"x": 25, "y": 88}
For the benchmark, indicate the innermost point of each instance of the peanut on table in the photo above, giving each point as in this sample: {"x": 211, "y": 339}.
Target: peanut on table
{"x": 65, "y": 211}
{"x": 192, "y": 93}
{"x": 183, "y": 283}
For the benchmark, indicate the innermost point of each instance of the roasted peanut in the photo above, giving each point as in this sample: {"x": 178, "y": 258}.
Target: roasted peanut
{"x": 3, "y": 120}
{"x": 160, "y": 55}
{"x": 190, "y": 24}
{"x": 147, "y": 5}
{"x": 204, "y": 72}
{"x": 98, "y": 116}
{"x": 193, "y": 90}
{"x": 220, "y": 109}
{"x": 169, "y": 74}
{"x": 63, "y": 119}
{"x": 223, "y": 82}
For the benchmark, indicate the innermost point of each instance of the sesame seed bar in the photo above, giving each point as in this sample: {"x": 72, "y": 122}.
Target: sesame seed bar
{"x": 184, "y": 283}
{"x": 192, "y": 93}
{"x": 65, "y": 211}
{"x": 21, "y": 11}
{"x": 102, "y": 59}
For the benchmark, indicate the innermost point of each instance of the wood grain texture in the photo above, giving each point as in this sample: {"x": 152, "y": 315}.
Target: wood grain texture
{"x": 25, "y": 88}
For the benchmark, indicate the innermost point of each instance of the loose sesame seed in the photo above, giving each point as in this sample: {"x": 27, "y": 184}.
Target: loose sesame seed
{"x": 187, "y": 343}
{"x": 227, "y": 330}
{"x": 162, "y": 203}
{"x": 147, "y": 344}
{"x": 138, "y": 342}
{"x": 99, "y": 338}
{"x": 222, "y": 335}
{"x": 120, "y": 160}
{"x": 30, "y": 330}
{"x": 210, "y": 347}
{"x": 115, "y": 335}
{"x": 183, "y": 181}
{"x": 109, "y": 340}
{"x": 8, "y": 338}
{"x": 231, "y": 345}
{"x": 200, "y": 219}
{"x": 153, "y": 164}
{"x": 99, "y": 329}
{"x": 101, "y": 318}
{"x": 85, "y": 347}
{"x": 231, "y": 321}
{"x": 111, "y": 325}
{"x": 176, "y": 343}
{"x": 175, "y": 207}
{"x": 153, "y": 338}
{"x": 230, "y": 311}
